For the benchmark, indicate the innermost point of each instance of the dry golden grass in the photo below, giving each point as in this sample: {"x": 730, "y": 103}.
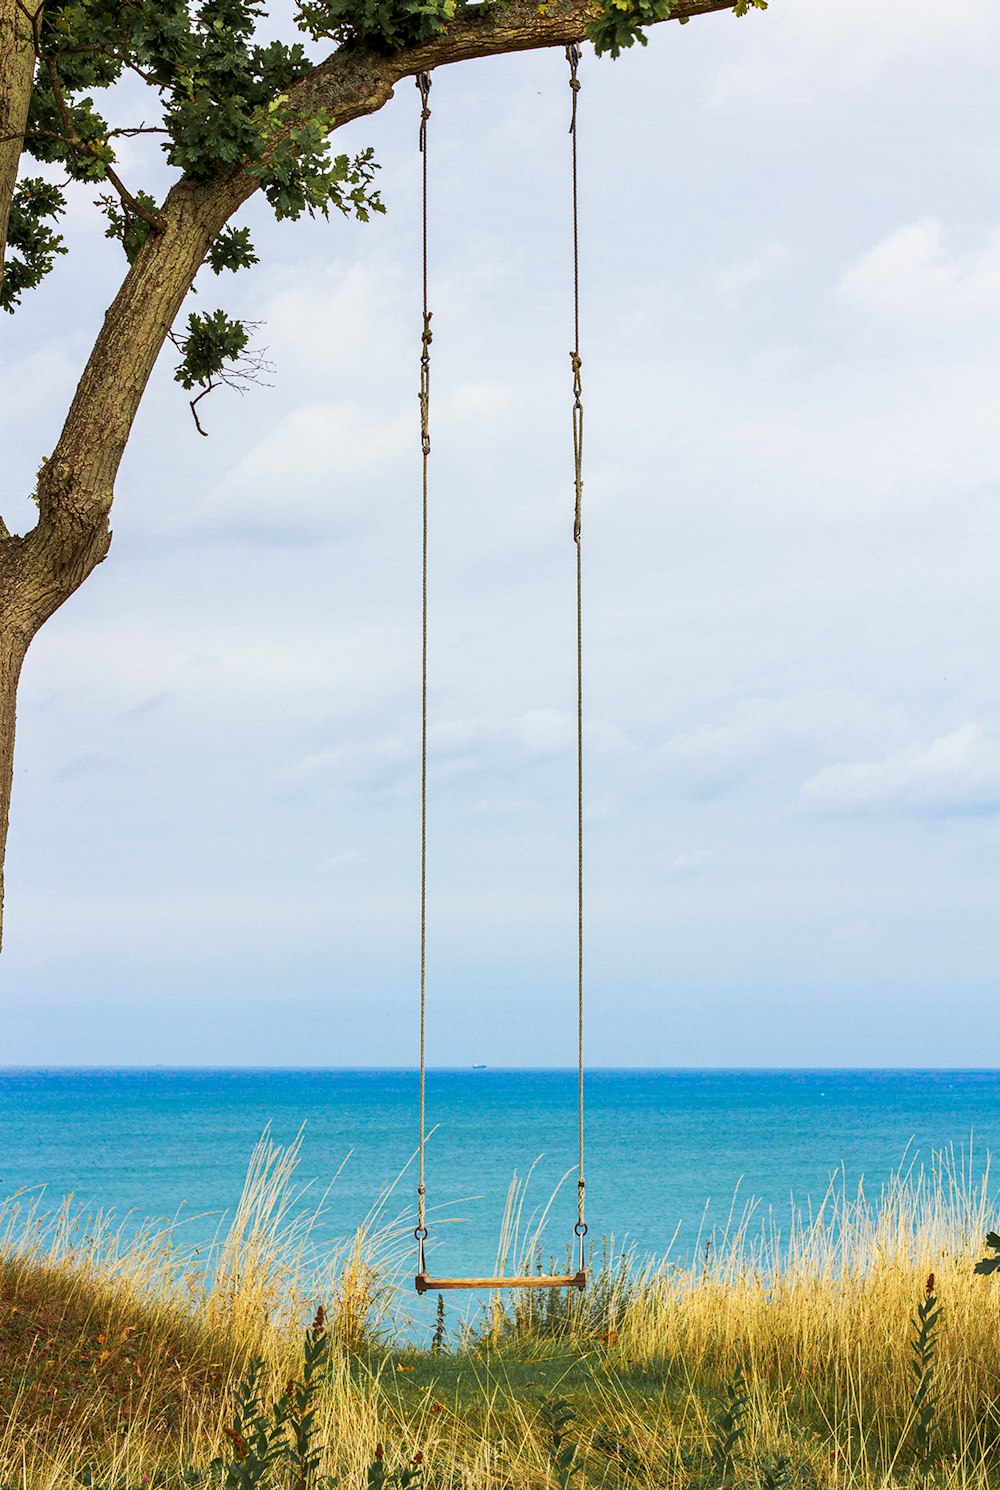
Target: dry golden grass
{"x": 119, "y": 1353}
{"x": 826, "y": 1312}
{"x": 121, "y": 1350}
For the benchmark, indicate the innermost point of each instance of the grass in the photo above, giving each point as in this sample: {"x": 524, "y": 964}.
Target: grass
{"x": 824, "y": 1359}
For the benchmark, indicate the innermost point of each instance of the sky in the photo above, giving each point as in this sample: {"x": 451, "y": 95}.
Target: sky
{"x": 791, "y": 365}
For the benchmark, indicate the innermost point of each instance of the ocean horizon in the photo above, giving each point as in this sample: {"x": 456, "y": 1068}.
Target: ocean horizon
{"x": 674, "y": 1154}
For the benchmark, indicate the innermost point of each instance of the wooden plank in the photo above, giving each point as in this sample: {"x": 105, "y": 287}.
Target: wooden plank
{"x": 424, "y": 1284}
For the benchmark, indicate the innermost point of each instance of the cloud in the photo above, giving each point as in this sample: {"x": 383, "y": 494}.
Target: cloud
{"x": 546, "y": 731}
{"x": 317, "y": 474}
{"x": 716, "y": 756}
{"x": 339, "y": 861}
{"x": 956, "y": 773}
{"x": 767, "y": 261}
{"x": 365, "y": 766}
{"x": 813, "y": 50}
{"x": 918, "y": 273}
{"x": 689, "y": 863}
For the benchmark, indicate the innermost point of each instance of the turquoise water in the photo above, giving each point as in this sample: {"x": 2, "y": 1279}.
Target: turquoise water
{"x": 666, "y": 1149}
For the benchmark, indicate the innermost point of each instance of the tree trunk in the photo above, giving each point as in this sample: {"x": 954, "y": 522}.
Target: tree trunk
{"x": 39, "y": 571}
{"x": 12, "y": 650}
{"x": 17, "y": 54}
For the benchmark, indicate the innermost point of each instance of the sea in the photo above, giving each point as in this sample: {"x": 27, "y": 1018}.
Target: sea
{"x": 673, "y": 1157}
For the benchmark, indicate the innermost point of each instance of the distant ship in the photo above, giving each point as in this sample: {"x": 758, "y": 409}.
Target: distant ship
{"x": 479, "y": 1065}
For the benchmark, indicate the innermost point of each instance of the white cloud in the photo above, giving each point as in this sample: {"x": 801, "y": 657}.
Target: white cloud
{"x": 218, "y": 668}
{"x": 546, "y": 731}
{"x": 958, "y": 772}
{"x": 755, "y": 725}
{"x": 813, "y": 49}
{"x": 316, "y": 472}
{"x": 330, "y": 318}
{"x": 754, "y": 268}
{"x": 917, "y": 272}
{"x": 354, "y": 764}
{"x": 340, "y": 860}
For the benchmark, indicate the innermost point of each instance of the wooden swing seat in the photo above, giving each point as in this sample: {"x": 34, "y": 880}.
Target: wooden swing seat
{"x": 424, "y": 1284}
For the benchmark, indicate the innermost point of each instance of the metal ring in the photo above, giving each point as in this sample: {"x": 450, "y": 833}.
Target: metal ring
{"x": 581, "y": 1228}
{"x": 421, "y": 1233}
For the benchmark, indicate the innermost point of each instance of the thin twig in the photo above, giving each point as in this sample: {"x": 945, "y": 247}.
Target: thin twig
{"x": 197, "y": 422}
{"x": 129, "y": 132}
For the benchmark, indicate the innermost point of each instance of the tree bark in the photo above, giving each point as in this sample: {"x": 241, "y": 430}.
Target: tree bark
{"x": 17, "y": 54}
{"x": 13, "y": 646}
{"x": 39, "y": 571}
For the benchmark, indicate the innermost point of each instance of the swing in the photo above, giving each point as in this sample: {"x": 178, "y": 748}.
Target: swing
{"x": 423, "y": 1281}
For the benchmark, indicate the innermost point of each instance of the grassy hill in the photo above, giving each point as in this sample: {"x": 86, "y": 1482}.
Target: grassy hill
{"x": 856, "y": 1352}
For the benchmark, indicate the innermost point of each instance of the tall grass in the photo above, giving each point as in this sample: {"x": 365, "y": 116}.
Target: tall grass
{"x": 824, "y": 1312}
{"x": 121, "y": 1343}
{"x": 817, "y": 1319}
{"x": 778, "y": 1357}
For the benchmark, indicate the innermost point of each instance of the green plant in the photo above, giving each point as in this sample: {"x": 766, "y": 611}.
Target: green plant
{"x": 558, "y": 1415}
{"x": 925, "y": 1427}
{"x": 440, "y": 1330}
{"x": 990, "y": 1264}
{"x": 283, "y": 1437}
{"x": 728, "y": 1426}
{"x": 774, "y": 1472}
{"x": 407, "y": 1477}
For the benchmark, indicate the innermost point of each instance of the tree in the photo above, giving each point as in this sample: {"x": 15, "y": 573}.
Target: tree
{"x": 235, "y": 114}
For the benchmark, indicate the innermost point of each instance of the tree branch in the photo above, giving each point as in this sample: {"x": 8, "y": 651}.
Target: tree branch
{"x": 77, "y": 482}
{"x": 34, "y": 20}
{"x": 357, "y": 80}
{"x": 155, "y": 220}
{"x": 61, "y": 106}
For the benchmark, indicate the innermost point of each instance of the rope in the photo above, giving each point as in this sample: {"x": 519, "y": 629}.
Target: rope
{"x": 580, "y": 1229}
{"x": 424, "y": 85}
{"x": 573, "y": 58}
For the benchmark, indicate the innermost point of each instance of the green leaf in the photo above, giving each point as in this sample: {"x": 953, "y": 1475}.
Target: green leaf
{"x": 211, "y": 342}
{"x": 232, "y": 250}
{"x": 33, "y": 246}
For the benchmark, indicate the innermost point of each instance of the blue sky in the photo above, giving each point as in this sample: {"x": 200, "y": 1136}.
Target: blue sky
{"x": 791, "y": 347}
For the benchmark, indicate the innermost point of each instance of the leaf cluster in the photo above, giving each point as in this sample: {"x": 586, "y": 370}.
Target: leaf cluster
{"x": 211, "y": 341}
{"x": 384, "y": 24}
{"x": 130, "y": 224}
{"x": 210, "y": 74}
{"x": 990, "y": 1264}
{"x": 298, "y": 173}
{"x": 34, "y": 243}
{"x": 622, "y": 23}
{"x": 221, "y": 104}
